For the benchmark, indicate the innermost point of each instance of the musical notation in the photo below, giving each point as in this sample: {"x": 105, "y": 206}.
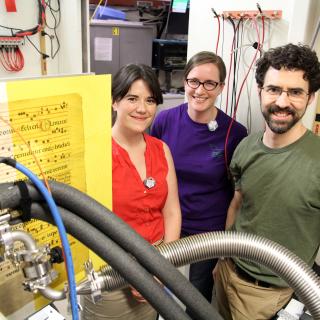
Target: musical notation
{"x": 48, "y": 129}
{"x": 52, "y": 129}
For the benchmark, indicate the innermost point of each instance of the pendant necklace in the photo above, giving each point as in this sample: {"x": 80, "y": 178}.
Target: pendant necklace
{"x": 149, "y": 182}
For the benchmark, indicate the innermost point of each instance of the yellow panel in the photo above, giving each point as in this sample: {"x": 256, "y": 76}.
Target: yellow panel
{"x": 66, "y": 123}
{"x": 95, "y": 92}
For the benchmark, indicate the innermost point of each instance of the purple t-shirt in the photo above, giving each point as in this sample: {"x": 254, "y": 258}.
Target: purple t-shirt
{"x": 205, "y": 191}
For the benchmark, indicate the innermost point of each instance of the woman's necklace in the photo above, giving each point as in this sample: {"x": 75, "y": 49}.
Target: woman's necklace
{"x": 149, "y": 182}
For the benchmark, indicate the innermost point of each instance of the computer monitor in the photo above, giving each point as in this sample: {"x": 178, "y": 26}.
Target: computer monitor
{"x": 178, "y": 17}
{"x": 179, "y": 6}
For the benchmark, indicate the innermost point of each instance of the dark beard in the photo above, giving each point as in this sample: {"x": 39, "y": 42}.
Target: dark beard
{"x": 278, "y": 126}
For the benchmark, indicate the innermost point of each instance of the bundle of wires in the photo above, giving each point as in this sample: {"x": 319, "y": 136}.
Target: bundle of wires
{"x": 237, "y": 23}
{"x": 55, "y": 13}
{"x": 11, "y": 58}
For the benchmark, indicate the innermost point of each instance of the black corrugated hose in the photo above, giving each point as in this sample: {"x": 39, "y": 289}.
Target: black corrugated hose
{"x": 109, "y": 224}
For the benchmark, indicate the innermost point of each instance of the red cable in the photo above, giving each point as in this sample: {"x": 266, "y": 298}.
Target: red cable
{"x": 8, "y": 58}
{"x": 14, "y": 59}
{"x": 3, "y": 60}
{"x": 21, "y": 59}
{"x": 217, "y": 45}
{"x": 11, "y": 59}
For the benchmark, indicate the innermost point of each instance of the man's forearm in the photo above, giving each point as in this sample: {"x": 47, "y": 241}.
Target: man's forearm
{"x": 234, "y": 207}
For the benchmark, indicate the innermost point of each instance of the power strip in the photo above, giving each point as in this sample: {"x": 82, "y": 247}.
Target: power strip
{"x": 11, "y": 41}
{"x": 252, "y": 14}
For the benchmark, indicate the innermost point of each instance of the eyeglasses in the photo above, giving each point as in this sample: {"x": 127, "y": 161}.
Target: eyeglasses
{"x": 294, "y": 95}
{"x": 208, "y": 85}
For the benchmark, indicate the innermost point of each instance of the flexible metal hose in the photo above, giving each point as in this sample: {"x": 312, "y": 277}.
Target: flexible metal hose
{"x": 280, "y": 260}
{"x": 204, "y": 246}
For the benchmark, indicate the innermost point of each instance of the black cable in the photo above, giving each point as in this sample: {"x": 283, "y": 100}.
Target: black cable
{"x": 51, "y": 37}
{"x": 48, "y": 3}
{"x": 163, "y": 25}
{"x": 222, "y": 43}
{"x": 54, "y": 27}
{"x": 9, "y": 28}
{"x": 235, "y": 69}
{"x": 58, "y": 45}
{"x": 119, "y": 259}
{"x": 109, "y": 224}
{"x": 239, "y": 53}
{"x": 237, "y": 56}
{"x": 44, "y": 55}
{"x": 44, "y": 34}
{"x": 56, "y": 22}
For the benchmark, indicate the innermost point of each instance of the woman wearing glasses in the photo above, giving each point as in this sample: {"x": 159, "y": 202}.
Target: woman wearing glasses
{"x": 196, "y": 135}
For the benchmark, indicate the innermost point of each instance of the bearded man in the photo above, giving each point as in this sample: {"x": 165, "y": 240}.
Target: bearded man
{"x": 277, "y": 184}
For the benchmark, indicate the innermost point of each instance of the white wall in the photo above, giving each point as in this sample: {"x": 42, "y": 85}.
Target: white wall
{"x": 69, "y": 58}
{"x": 297, "y": 25}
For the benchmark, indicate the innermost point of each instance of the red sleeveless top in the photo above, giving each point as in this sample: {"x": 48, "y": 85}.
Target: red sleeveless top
{"x": 132, "y": 201}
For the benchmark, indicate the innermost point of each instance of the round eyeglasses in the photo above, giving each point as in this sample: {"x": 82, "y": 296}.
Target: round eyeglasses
{"x": 208, "y": 85}
{"x": 293, "y": 94}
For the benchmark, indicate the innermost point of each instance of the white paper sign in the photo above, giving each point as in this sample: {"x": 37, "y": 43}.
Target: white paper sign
{"x": 102, "y": 49}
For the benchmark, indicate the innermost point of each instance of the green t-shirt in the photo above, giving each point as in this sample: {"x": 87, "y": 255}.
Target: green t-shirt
{"x": 281, "y": 197}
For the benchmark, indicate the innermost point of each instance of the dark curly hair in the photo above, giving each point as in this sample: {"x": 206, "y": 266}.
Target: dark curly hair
{"x": 291, "y": 57}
